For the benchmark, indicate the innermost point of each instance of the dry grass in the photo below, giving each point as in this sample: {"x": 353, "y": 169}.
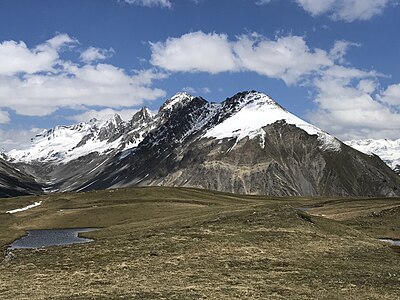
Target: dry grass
{"x": 165, "y": 243}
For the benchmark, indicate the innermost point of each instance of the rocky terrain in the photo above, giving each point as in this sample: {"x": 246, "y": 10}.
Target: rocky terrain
{"x": 246, "y": 144}
{"x": 14, "y": 182}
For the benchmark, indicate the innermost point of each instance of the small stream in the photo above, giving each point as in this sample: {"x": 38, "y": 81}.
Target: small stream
{"x": 51, "y": 237}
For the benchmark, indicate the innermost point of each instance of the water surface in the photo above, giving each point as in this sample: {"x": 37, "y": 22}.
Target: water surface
{"x": 51, "y": 237}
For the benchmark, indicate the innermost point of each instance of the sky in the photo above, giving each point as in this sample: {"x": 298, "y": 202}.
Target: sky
{"x": 334, "y": 63}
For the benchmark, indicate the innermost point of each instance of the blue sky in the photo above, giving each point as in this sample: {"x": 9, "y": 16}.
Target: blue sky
{"x": 334, "y": 63}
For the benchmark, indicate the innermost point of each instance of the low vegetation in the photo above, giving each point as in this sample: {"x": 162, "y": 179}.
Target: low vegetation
{"x": 180, "y": 243}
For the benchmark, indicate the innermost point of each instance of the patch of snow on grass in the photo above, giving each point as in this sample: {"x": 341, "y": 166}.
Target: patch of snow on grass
{"x": 24, "y": 208}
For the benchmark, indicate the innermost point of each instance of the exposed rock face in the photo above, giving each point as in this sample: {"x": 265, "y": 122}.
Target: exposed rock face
{"x": 14, "y": 182}
{"x": 291, "y": 163}
{"x": 246, "y": 144}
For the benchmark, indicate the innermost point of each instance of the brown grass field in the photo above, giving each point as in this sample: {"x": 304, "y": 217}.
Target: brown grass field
{"x": 181, "y": 243}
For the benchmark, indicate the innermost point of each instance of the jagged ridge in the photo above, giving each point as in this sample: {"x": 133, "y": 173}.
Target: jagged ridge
{"x": 246, "y": 144}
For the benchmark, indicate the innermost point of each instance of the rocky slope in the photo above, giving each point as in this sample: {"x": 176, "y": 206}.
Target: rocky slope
{"x": 246, "y": 144}
{"x": 14, "y": 182}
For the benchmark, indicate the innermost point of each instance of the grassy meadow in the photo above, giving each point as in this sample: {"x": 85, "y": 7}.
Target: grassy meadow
{"x": 181, "y": 243}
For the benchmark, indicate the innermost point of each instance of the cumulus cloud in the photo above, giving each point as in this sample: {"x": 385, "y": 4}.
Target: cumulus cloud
{"x": 150, "y": 3}
{"x": 37, "y": 82}
{"x": 16, "y": 57}
{"x": 346, "y": 10}
{"x": 195, "y": 52}
{"x": 286, "y": 58}
{"x": 92, "y": 54}
{"x": 392, "y": 95}
{"x": 349, "y": 108}
{"x": 4, "y": 117}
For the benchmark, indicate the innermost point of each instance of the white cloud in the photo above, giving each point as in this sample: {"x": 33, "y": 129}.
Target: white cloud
{"x": 286, "y": 58}
{"x": 367, "y": 86}
{"x": 316, "y": 7}
{"x": 195, "y": 91}
{"x": 195, "y": 52}
{"x": 16, "y": 57}
{"x": 92, "y": 54}
{"x": 352, "y": 110}
{"x": 103, "y": 114}
{"x": 392, "y": 95}
{"x": 58, "y": 41}
{"x": 4, "y": 117}
{"x": 17, "y": 138}
{"x": 338, "y": 71}
{"x": 150, "y": 3}
{"x": 346, "y": 10}
{"x": 340, "y": 49}
{"x": 37, "y": 82}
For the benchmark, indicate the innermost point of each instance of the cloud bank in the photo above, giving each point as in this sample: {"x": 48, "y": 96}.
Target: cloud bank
{"x": 287, "y": 58}
{"x": 37, "y": 81}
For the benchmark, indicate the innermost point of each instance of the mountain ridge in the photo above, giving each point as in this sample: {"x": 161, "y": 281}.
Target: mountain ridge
{"x": 245, "y": 144}
{"x": 387, "y": 150}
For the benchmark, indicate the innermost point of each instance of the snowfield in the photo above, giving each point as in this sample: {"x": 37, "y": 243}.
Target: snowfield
{"x": 24, "y": 208}
{"x": 387, "y": 150}
{"x": 258, "y": 110}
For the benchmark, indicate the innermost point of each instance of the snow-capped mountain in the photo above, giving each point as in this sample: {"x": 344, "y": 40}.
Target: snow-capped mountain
{"x": 245, "y": 144}
{"x": 63, "y": 144}
{"x": 388, "y": 150}
{"x": 256, "y": 110}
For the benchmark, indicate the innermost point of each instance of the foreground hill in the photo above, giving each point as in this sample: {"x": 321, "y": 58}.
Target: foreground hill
{"x": 247, "y": 144}
{"x": 179, "y": 243}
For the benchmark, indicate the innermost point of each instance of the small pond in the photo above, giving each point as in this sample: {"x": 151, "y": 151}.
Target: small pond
{"x": 51, "y": 237}
{"x": 393, "y": 242}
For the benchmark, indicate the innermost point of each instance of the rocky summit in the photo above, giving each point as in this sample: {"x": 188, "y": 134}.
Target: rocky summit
{"x": 246, "y": 144}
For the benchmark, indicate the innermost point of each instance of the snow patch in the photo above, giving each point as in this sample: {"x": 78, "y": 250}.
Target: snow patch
{"x": 24, "y": 208}
{"x": 387, "y": 150}
{"x": 180, "y": 98}
{"x": 257, "y": 110}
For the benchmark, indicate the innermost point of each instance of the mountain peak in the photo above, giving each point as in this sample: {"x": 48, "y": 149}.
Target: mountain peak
{"x": 178, "y": 100}
{"x": 245, "y": 98}
{"x": 250, "y": 111}
{"x": 115, "y": 120}
{"x": 143, "y": 115}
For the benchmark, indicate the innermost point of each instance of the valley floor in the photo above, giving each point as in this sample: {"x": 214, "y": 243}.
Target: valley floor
{"x": 179, "y": 243}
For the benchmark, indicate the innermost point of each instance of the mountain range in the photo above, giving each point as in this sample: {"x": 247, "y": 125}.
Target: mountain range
{"x": 388, "y": 150}
{"x": 246, "y": 144}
